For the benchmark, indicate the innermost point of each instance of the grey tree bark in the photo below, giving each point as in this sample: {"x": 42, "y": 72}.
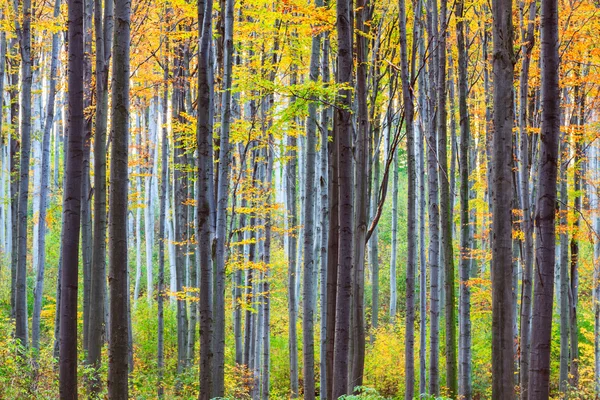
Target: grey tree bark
{"x": 309, "y": 285}
{"x": 539, "y": 371}
{"x": 361, "y": 198}
{"x": 291, "y": 210}
{"x": 433, "y": 216}
{"x": 502, "y": 195}
{"x": 118, "y": 349}
{"x": 160, "y": 356}
{"x": 563, "y": 265}
{"x": 464, "y": 348}
{"x": 411, "y": 238}
{"x": 44, "y": 187}
{"x": 445, "y": 211}
{"x": 205, "y": 196}
{"x": 527, "y": 224}
{"x": 103, "y": 19}
{"x": 21, "y": 314}
{"x": 72, "y": 207}
{"x": 324, "y": 187}
{"x": 86, "y": 190}
{"x": 344, "y": 152}
{"x": 222, "y": 195}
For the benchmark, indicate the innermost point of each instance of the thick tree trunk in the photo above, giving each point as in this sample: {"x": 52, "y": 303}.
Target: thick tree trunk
{"x": 539, "y": 371}
{"x": 361, "y": 199}
{"x": 118, "y": 348}
{"x": 344, "y": 152}
{"x": 502, "y": 196}
{"x": 72, "y": 207}
{"x": 205, "y": 197}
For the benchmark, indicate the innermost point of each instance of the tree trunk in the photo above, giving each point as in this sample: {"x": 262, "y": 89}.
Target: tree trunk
{"x": 309, "y": 285}
{"x": 103, "y": 19}
{"x": 464, "y": 348}
{"x": 361, "y": 198}
{"x": 44, "y": 187}
{"x": 445, "y": 213}
{"x": 539, "y": 372}
{"x": 434, "y": 227}
{"x": 118, "y": 349}
{"x": 527, "y": 224}
{"x": 411, "y": 239}
{"x": 205, "y": 197}
{"x": 72, "y": 207}
{"x": 502, "y": 196}
{"x": 324, "y": 187}
{"x": 21, "y": 314}
{"x": 332, "y": 253}
{"x": 291, "y": 210}
{"x": 345, "y": 174}
{"x": 579, "y": 123}
{"x": 161, "y": 238}
{"x": 86, "y": 190}
{"x": 222, "y": 195}
{"x": 563, "y": 295}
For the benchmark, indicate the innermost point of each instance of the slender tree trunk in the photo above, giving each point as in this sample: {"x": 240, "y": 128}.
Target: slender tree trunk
{"x": 411, "y": 239}
{"x": 21, "y": 314}
{"x": 539, "y": 371}
{"x": 465, "y": 354}
{"x": 86, "y": 190}
{"x": 309, "y": 285}
{"x": 266, "y": 338}
{"x": 434, "y": 227}
{"x": 118, "y": 348}
{"x": 292, "y": 254}
{"x": 179, "y": 215}
{"x": 161, "y": 238}
{"x": 563, "y": 295}
{"x": 445, "y": 213}
{"x": 222, "y": 195}
{"x": 524, "y": 170}
{"x": 103, "y": 19}
{"x": 44, "y": 187}
{"x": 332, "y": 254}
{"x": 72, "y": 207}
{"x": 324, "y": 186}
{"x": 15, "y": 146}
{"x": 394, "y": 250}
{"x": 205, "y": 197}
{"x": 579, "y": 123}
